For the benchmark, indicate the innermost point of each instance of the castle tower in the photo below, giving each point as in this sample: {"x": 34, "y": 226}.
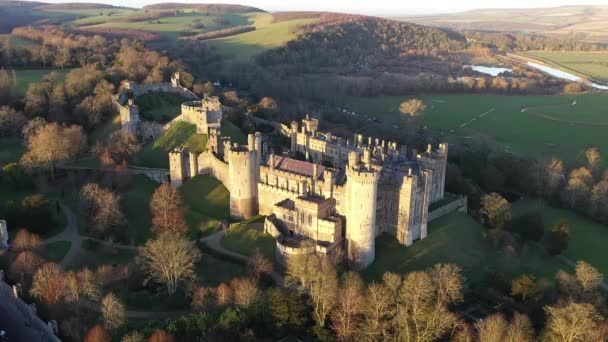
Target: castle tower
{"x": 293, "y": 134}
{"x": 129, "y": 117}
{"x": 436, "y": 161}
{"x": 3, "y": 234}
{"x": 175, "y": 81}
{"x": 244, "y": 173}
{"x": 180, "y": 165}
{"x": 414, "y": 196}
{"x": 361, "y": 197}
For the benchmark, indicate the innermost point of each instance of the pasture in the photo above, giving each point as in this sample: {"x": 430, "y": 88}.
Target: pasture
{"x": 538, "y": 126}
{"x": 25, "y": 77}
{"x": 591, "y": 64}
{"x": 159, "y": 106}
{"x": 587, "y": 238}
{"x": 457, "y": 238}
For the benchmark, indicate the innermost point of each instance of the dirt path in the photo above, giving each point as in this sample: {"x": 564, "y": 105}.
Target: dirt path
{"x": 71, "y": 234}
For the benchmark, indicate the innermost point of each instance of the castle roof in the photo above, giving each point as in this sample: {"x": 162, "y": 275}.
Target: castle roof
{"x": 297, "y": 166}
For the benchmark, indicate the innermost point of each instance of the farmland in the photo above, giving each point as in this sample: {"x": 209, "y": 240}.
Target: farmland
{"x": 539, "y": 126}
{"x": 592, "y": 65}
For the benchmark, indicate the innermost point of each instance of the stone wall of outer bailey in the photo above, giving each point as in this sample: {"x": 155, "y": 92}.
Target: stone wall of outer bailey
{"x": 210, "y": 164}
{"x": 270, "y": 195}
{"x": 459, "y": 204}
{"x": 141, "y": 89}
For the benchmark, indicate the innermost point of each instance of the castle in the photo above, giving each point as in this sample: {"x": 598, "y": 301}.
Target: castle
{"x": 338, "y": 199}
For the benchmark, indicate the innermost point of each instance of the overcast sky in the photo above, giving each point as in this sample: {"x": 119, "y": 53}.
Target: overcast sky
{"x": 374, "y": 7}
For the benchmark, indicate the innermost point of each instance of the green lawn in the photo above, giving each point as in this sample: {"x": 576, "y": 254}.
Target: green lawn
{"x": 55, "y": 251}
{"x": 11, "y": 150}
{"x": 27, "y": 76}
{"x": 531, "y": 125}
{"x": 159, "y": 106}
{"x": 206, "y": 195}
{"x": 156, "y": 154}
{"x": 212, "y": 271}
{"x": 457, "y": 238}
{"x": 587, "y": 238}
{"x": 245, "y": 239}
{"x": 97, "y": 254}
{"x": 136, "y": 206}
{"x": 589, "y": 64}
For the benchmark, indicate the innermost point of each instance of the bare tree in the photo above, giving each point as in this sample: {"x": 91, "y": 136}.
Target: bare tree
{"x": 594, "y": 158}
{"x": 26, "y": 262}
{"x": 496, "y": 210}
{"x": 102, "y": 207}
{"x": 572, "y": 322}
{"x": 520, "y": 329}
{"x": 578, "y": 190}
{"x": 413, "y": 107}
{"x": 112, "y": 311}
{"x": 51, "y": 143}
{"x": 258, "y": 264}
{"x": 246, "y": 291}
{"x": 25, "y": 240}
{"x": 133, "y": 336}
{"x": 224, "y": 294}
{"x": 525, "y": 287}
{"x": 169, "y": 259}
{"x": 202, "y": 298}
{"x": 347, "y": 316}
{"x": 492, "y": 328}
{"x": 161, "y": 336}
{"x": 97, "y": 334}
{"x": 49, "y": 284}
{"x": 378, "y": 311}
{"x": 166, "y": 207}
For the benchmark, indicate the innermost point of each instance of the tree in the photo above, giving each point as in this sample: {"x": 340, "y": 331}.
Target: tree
{"x": 572, "y": 322}
{"x": 346, "y": 317}
{"x": 161, "y": 336}
{"x": 553, "y": 173}
{"x": 25, "y": 240}
{"x": 133, "y": 336}
{"x": 556, "y": 241}
{"x": 97, "y": 334}
{"x": 49, "y": 284}
{"x": 492, "y": 328}
{"x": 112, "y": 311}
{"x": 101, "y": 207}
{"x": 286, "y": 308}
{"x": 594, "y": 158}
{"x": 578, "y": 189}
{"x": 377, "y": 312}
{"x": 526, "y": 288}
{"x": 11, "y": 121}
{"x": 258, "y": 264}
{"x": 224, "y": 294}
{"x": 520, "y": 329}
{"x": 529, "y": 226}
{"x": 26, "y": 262}
{"x": 246, "y": 291}
{"x": 588, "y": 277}
{"x": 599, "y": 200}
{"x": 36, "y": 213}
{"x": 169, "y": 259}
{"x": 201, "y": 299}
{"x": 123, "y": 146}
{"x": 166, "y": 207}
{"x": 413, "y": 107}
{"x": 496, "y": 210}
{"x": 574, "y": 88}
{"x": 52, "y": 143}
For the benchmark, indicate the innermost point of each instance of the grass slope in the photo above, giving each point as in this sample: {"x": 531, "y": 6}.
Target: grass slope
{"x": 530, "y": 125}
{"x": 248, "y": 237}
{"x": 156, "y": 155}
{"x": 266, "y": 36}
{"x": 587, "y": 238}
{"x": 159, "y": 106}
{"x": 457, "y": 238}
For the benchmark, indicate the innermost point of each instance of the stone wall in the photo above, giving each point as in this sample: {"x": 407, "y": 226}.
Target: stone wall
{"x": 459, "y": 204}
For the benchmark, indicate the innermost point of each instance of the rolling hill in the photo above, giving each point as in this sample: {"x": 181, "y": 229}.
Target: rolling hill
{"x": 590, "y": 22}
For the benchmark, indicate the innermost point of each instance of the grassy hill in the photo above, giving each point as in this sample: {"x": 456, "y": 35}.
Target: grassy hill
{"x": 562, "y": 126}
{"x": 589, "y": 21}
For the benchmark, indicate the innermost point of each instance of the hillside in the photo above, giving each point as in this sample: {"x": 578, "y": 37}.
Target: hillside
{"x": 591, "y": 22}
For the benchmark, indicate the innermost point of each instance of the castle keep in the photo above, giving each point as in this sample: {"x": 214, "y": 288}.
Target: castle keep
{"x": 341, "y": 198}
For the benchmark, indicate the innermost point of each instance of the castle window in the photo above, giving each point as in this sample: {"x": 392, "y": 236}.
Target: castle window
{"x": 310, "y": 219}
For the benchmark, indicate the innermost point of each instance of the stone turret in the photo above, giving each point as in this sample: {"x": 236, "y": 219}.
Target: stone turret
{"x": 244, "y": 174}
{"x": 3, "y": 234}
{"x": 435, "y": 160}
{"x": 361, "y": 198}
{"x": 129, "y": 116}
{"x": 183, "y": 165}
{"x": 175, "y": 81}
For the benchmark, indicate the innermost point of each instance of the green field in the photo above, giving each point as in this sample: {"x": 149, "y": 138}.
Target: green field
{"x": 55, "y": 251}
{"x": 457, "y": 238}
{"x": 539, "y": 126}
{"x": 11, "y": 150}
{"x": 592, "y": 65}
{"x": 136, "y": 206}
{"x": 159, "y": 106}
{"x": 16, "y": 41}
{"x": 587, "y": 238}
{"x": 266, "y": 36}
{"x": 27, "y": 76}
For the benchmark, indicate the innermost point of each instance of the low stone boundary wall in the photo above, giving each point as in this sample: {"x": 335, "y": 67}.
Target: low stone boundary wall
{"x": 459, "y": 204}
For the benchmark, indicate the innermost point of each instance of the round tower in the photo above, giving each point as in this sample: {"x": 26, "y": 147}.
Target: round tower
{"x": 361, "y": 193}
{"x": 243, "y": 169}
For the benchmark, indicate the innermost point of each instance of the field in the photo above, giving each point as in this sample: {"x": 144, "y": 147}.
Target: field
{"x": 11, "y": 150}
{"x": 539, "y": 126}
{"x": 266, "y": 36}
{"x": 587, "y": 238}
{"x": 27, "y": 76}
{"x": 16, "y": 41}
{"x": 159, "y": 106}
{"x": 249, "y": 237}
{"x": 593, "y": 65}
{"x": 457, "y": 238}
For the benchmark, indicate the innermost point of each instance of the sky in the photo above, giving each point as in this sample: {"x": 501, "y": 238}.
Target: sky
{"x": 370, "y": 7}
